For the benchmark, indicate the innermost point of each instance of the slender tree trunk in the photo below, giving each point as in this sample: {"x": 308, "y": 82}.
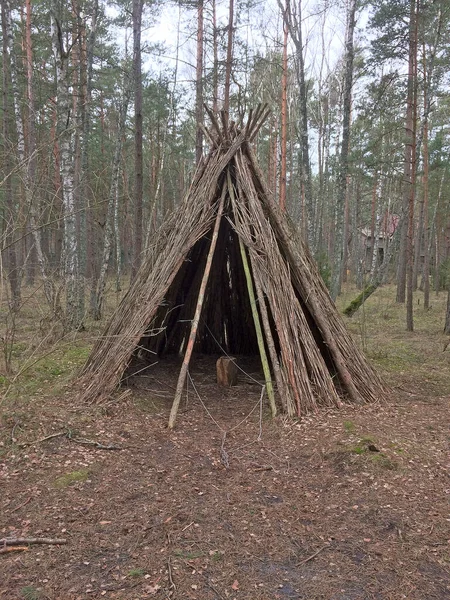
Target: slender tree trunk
{"x": 26, "y": 155}
{"x": 407, "y": 168}
{"x": 111, "y": 214}
{"x": 74, "y": 316}
{"x": 9, "y": 212}
{"x": 229, "y": 61}
{"x": 293, "y": 22}
{"x": 138, "y": 168}
{"x": 199, "y": 85}
{"x": 346, "y": 231}
{"x": 343, "y": 159}
{"x": 410, "y": 236}
{"x": 215, "y": 76}
{"x": 284, "y": 121}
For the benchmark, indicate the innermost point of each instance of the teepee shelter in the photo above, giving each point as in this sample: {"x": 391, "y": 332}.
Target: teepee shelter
{"x": 227, "y": 274}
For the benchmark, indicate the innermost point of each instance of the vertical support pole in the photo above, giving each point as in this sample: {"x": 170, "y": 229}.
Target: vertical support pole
{"x": 198, "y": 310}
{"x": 255, "y": 314}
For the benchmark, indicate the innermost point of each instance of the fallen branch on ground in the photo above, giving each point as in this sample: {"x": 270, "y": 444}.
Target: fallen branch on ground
{"x": 68, "y": 434}
{"x": 44, "y": 439}
{"x": 20, "y": 541}
{"x": 302, "y": 562}
{"x": 95, "y": 444}
{"x": 6, "y": 549}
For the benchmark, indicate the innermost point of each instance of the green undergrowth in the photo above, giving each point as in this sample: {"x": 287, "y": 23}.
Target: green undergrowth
{"x": 412, "y": 358}
{"x": 40, "y": 373}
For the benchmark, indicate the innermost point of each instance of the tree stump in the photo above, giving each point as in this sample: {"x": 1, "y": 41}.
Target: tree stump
{"x": 227, "y": 371}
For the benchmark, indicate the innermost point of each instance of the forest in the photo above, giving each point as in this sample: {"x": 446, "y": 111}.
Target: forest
{"x": 111, "y": 112}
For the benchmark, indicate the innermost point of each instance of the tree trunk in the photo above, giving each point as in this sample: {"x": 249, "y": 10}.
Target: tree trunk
{"x": 284, "y": 122}
{"x": 26, "y": 156}
{"x": 74, "y": 316}
{"x": 410, "y": 236}
{"x": 229, "y": 60}
{"x": 111, "y": 214}
{"x": 407, "y": 167}
{"x": 138, "y": 166}
{"x": 9, "y": 212}
{"x": 343, "y": 158}
{"x": 293, "y": 22}
{"x": 215, "y": 75}
{"x": 199, "y": 85}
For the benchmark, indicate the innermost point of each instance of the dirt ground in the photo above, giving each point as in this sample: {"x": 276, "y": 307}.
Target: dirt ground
{"x": 349, "y": 504}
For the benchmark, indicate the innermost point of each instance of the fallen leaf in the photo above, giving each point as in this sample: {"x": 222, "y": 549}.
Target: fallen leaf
{"x": 152, "y": 589}
{"x": 235, "y": 585}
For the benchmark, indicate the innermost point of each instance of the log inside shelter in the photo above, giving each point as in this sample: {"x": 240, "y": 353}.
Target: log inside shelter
{"x": 311, "y": 357}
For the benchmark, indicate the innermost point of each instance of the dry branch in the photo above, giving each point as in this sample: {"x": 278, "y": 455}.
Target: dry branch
{"x": 7, "y": 549}
{"x": 29, "y": 541}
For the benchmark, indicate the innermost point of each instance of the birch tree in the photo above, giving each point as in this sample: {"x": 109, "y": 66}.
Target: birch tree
{"x": 74, "y": 310}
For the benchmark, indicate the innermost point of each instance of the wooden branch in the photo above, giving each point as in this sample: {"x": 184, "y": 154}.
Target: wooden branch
{"x": 224, "y": 118}
{"x": 208, "y": 135}
{"x": 6, "y": 549}
{"x": 215, "y": 122}
{"x": 256, "y": 319}
{"x": 260, "y": 124}
{"x": 44, "y": 439}
{"x": 302, "y": 562}
{"x": 95, "y": 444}
{"x": 29, "y": 541}
{"x": 250, "y": 115}
{"x": 198, "y": 310}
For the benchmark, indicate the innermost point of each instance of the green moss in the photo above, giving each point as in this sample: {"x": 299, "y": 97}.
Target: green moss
{"x": 383, "y": 461}
{"x": 350, "y": 310}
{"x": 138, "y": 572}
{"x": 29, "y": 592}
{"x": 349, "y": 426}
{"x": 71, "y": 478}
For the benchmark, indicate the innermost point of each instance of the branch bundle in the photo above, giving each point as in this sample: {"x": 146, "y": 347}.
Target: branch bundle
{"x": 313, "y": 359}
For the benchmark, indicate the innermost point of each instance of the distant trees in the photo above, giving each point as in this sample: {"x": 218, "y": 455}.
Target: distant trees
{"x": 100, "y": 136}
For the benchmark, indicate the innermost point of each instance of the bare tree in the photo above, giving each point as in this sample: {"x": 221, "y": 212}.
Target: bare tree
{"x": 138, "y": 165}
{"x": 340, "y": 240}
{"x": 292, "y": 16}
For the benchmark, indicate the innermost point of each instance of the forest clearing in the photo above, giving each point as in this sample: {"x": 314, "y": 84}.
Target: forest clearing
{"x": 348, "y": 504}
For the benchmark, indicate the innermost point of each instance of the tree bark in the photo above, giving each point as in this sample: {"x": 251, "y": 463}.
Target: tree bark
{"x": 138, "y": 166}
{"x": 229, "y": 61}
{"x": 9, "y": 212}
{"x": 111, "y": 213}
{"x": 284, "y": 121}
{"x": 343, "y": 158}
{"x": 199, "y": 85}
{"x": 293, "y": 22}
{"x": 412, "y": 190}
{"x": 407, "y": 167}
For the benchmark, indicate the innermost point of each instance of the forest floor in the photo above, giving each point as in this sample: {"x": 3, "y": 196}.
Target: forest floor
{"x": 349, "y": 504}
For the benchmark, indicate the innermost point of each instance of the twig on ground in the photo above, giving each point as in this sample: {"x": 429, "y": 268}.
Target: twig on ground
{"x": 6, "y": 549}
{"x": 21, "y": 505}
{"x": 13, "y": 437}
{"x": 95, "y": 444}
{"x": 214, "y": 589}
{"x": 20, "y": 541}
{"x": 302, "y": 562}
{"x": 172, "y": 586}
{"x": 40, "y": 440}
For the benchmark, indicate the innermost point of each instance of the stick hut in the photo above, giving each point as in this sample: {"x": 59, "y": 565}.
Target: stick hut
{"x": 228, "y": 273}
